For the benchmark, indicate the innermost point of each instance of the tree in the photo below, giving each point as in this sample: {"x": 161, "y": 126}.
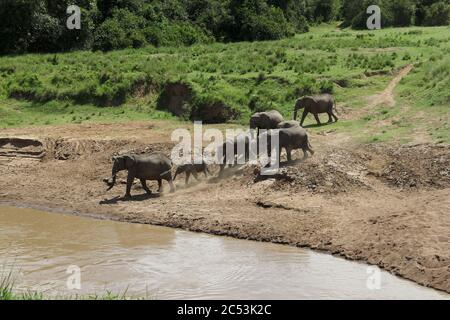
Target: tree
{"x": 326, "y": 10}
{"x": 122, "y": 30}
{"x": 351, "y": 10}
{"x": 402, "y": 12}
{"x": 437, "y": 14}
{"x": 257, "y": 20}
{"x": 295, "y": 12}
{"x": 106, "y": 7}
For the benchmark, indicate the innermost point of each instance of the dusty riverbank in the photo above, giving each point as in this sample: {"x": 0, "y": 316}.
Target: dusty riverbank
{"x": 383, "y": 204}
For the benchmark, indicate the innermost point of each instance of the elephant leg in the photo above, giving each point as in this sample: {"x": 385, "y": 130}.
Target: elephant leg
{"x": 172, "y": 187}
{"x": 176, "y": 174}
{"x": 160, "y": 187}
{"x": 130, "y": 180}
{"x": 305, "y": 153}
{"x": 188, "y": 174}
{"x": 289, "y": 154}
{"x": 305, "y": 113}
{"x": 144, "y": 186}
{"x": 334, "y": 116}
{"x": 317, "y": 119}
{"x": 330, "y": 119}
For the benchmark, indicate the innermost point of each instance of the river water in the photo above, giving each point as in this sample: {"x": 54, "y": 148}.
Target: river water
{"x": 162, "y": 263}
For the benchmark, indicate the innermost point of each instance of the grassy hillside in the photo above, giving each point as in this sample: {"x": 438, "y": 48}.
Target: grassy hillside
{"x": 242, "y": 78}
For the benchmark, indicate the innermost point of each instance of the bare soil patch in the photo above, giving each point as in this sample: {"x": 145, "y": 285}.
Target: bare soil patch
{"x": 386, "y": 97}
{"x": 383, "y": 204}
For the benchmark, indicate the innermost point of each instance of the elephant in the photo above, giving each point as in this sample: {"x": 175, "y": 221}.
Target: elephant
{"x": 291, "y": 139}
{"x": 193, "y": 169}
{"x": 153, "y": 166}
{"x": 323, "y": 103}
{"x": 266, "y": 120}
{"x": 288, "y": 124}
{"x": 221, "y": 152}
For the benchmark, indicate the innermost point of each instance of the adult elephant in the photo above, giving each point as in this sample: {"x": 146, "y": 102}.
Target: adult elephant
{"x": 323, "y": 103}
{"x": 266, "y": 120}
{"x": 291, "y": 139}
{"x": 153, "y": 166}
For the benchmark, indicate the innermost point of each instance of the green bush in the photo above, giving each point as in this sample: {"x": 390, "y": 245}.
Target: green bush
{"x": 437, "y": 14}
{"x": 175, "y": 34}
{"x": 256, "y": 20}
{"x": 111, "y": 35}
{"x": 122, "y": 30}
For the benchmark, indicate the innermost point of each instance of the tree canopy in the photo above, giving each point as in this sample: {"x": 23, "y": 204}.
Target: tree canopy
{"x": 40, "y": 25}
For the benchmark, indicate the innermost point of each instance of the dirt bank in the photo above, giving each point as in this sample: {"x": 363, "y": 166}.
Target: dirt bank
{"x": 384, "y": 204}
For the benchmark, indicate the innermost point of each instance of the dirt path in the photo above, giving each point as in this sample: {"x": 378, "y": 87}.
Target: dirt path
{"x": 387, "y": 97}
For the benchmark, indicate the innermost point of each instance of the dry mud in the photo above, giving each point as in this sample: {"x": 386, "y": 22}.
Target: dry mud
{"x": 386, "y": 205}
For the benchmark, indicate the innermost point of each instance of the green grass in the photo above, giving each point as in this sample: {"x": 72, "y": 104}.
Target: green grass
{"x": 79, "y": 87}
{"x": 7, "y": 292}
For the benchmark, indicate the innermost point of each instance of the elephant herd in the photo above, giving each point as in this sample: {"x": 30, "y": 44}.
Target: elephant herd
{"x": 292, "y": 136}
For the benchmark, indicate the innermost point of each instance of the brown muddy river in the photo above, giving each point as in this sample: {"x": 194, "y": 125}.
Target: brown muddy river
{"x": 164, "y": 263}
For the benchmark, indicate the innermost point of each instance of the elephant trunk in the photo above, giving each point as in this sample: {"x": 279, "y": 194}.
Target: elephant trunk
{"x": 111, "y": 182}
{"x": 295, "y": 113}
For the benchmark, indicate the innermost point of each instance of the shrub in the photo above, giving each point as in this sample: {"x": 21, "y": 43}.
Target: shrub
{"x": 122, "y": 30}
{"x": 402, "y": 12}
{"x": 110, "y": 35}
{"x": 326, "y": 86}
{"x": 212, "y": 110}
{"x": 175, "y": 34}
{"x": 437, "y": 14}
{"x": 256, "y": 20}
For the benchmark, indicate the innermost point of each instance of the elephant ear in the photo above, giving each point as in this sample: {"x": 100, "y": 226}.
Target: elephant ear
{"x": 130, "y": 161}
{"x": 254, "y": 120}
{"x": 311, "y": 100}
{"x": 299, "y": 102}
{"x": 265, "y": 118}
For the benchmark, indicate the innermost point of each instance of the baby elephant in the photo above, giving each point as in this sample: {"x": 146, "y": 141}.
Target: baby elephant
{"x": 143, "y": 167}
{"x": 288, "y": 124}
{"x": 193, "y": 169}
{"x": 323, "y": 103}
